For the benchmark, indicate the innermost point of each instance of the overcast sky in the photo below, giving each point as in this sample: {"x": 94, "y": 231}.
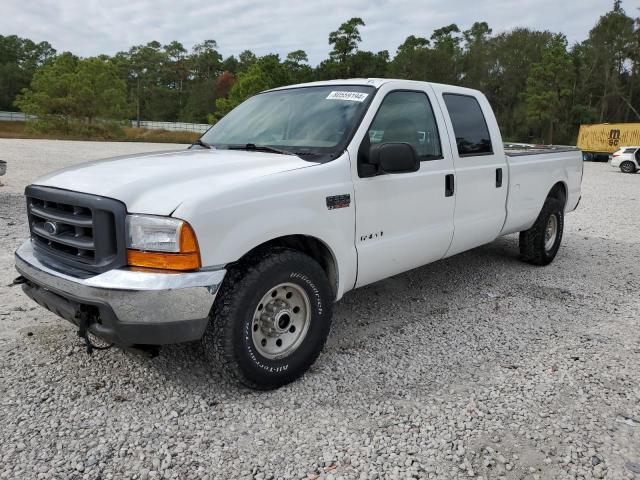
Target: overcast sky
{"x": 90, "y": 27}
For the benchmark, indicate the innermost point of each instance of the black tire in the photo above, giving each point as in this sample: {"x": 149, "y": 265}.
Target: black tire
{"x": 627, "y": 167}
{"x": 533, "y": 248}
{"x": 228, "y": 338}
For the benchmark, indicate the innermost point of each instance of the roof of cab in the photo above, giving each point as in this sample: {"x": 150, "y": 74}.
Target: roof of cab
{"x": 377, "y": 83}
{"x": 373, "y": 82}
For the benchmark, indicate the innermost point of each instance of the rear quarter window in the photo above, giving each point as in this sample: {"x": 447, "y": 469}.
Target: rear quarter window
{"x": 629, "y": 150}
{"x": 469, "y": 125}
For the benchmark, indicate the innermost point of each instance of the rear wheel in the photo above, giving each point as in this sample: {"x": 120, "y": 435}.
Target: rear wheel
{"x": 539, "y": 245}
{"x": 627, "y": 167}
{"x": 271, "y": 319}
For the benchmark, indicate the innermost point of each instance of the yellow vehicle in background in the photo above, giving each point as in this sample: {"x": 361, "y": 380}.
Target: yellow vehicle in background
{"x": 598, "y": 141}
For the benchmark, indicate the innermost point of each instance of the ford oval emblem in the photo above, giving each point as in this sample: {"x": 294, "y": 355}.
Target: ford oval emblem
{"x": 51, "y": 228}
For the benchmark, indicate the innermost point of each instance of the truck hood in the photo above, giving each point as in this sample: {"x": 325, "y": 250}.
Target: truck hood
{"x": 157, "y": 183}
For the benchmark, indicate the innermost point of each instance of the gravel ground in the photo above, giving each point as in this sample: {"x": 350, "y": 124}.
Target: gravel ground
{"x": 475, "y": 366}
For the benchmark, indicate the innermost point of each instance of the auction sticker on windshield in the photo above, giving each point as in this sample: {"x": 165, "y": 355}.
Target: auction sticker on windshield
{"x": 351, "y": 96}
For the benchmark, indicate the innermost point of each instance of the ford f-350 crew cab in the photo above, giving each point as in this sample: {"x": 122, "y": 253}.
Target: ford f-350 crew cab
{"x": 297, "y": 196}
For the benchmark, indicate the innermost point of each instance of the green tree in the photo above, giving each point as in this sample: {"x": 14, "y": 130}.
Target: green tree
{"x": 297, "y": 67}
{"x": 248, "y": 84}
{"x": 345, "y": 40}
{"x": 297, "y": 57}
{"x": 583, "y": 109}
{"x": 266, "y": 72}
{"x": 245, "y": 60}
{"x": 231, "y": 65}
{"x": 203, "y": 67}
{"x": 512, "y": 56}
{"x": 634, "y": 80}
{"x": 176, "y": 72}
{"x": 411, "y": 59}
{"x": 19, "y": 59}
{"x": 606, "y": 75}
{"x": 205, "y": 61}
{"x": 142, "y": 68}
{"x": 75, "y": 89}
{"x": 476, "y": 59}
{"x": 549, "y": 87}
{"x": 446, "y": 56}
{"x": 366, "y": 64}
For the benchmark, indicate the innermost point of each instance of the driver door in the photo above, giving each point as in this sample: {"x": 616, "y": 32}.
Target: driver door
{"x": 404, "y": 220}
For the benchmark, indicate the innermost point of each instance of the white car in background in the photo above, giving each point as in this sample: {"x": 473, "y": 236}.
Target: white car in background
{"x": 627, "y": 159}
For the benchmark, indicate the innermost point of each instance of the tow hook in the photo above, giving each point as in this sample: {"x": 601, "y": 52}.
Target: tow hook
{"x": 18, "y": 281}
{"x": 85, "y": 319}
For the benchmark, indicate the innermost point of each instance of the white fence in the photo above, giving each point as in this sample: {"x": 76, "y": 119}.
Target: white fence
{"x": 15, "y": 117}
{"x": 173, "y": 126}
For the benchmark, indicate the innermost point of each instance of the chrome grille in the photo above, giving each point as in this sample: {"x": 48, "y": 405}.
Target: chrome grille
{"x": 79, "y": 229}
{"x": 63, "y": 227}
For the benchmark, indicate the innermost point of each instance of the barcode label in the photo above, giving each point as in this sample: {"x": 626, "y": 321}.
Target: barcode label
{"x": 350, "y": 96}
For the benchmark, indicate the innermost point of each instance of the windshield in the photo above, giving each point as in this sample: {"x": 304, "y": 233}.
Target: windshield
{"x": 305, "y": 120}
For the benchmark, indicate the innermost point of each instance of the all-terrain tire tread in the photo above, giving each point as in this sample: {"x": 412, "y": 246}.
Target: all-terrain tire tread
{"x": 532, "y": 240}
{"x": 217, "y": 342}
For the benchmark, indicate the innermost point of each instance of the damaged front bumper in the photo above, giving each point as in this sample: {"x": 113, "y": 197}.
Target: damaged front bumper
{"x": 127, "y": 307}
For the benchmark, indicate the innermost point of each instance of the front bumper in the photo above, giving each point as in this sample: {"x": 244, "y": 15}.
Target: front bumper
{"x": 129, "y": 307}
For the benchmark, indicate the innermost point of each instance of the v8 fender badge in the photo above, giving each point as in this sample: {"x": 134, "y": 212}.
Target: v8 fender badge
{"x": 338, "y": 201}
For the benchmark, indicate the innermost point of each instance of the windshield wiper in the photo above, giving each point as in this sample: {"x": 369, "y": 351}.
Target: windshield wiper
{"x": 200, "y": 143}
{"x": 259, "y": 148}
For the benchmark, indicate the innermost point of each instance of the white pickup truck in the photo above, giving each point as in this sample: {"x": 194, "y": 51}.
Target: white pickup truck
{"x": 297, "y": 196}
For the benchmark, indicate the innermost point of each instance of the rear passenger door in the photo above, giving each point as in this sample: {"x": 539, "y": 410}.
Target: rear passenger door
{"x": 481, "y": 176}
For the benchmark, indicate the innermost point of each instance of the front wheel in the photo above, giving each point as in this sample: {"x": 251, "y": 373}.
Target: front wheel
{"x": 628, "y": 167}
{"x": 539, "y": 245}
{"x": 271, "y": 319}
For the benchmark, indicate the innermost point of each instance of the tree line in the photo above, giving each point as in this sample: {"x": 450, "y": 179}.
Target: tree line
{"x": 540, "y": 87}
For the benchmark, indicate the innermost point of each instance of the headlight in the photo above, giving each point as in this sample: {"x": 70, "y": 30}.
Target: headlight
{"x": 161, "y": 242}
{"x": 159, "y": 234}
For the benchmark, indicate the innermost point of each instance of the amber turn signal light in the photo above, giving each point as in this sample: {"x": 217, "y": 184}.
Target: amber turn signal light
{"x": 187, "y": 259}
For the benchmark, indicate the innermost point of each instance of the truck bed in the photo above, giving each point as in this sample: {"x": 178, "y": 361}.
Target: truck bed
{"x": 517, "y": 149}
{"x": 533, "y": 171}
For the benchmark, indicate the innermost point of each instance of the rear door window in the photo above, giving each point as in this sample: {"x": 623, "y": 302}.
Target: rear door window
{"x": 629, "y": 150}
{"x": 469, "y": 125}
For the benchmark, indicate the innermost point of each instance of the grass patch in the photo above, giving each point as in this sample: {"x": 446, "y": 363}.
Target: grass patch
{"x": 159, "y": 136}
{"x": 14, "y": 130}
{"x": 128, "y": 134}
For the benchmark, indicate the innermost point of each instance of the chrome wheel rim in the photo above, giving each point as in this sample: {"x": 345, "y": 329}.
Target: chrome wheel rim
{"x": 626, "y": 167}
{"x": 551, "y": 232}
{"x": 281, "y": 321}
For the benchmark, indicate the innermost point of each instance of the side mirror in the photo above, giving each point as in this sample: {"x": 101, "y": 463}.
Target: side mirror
{"x": 394, "y": 157}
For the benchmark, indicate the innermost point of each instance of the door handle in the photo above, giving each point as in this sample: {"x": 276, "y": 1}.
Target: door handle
{"x": 498, "y": 177}
{"x": 449, "y": 185}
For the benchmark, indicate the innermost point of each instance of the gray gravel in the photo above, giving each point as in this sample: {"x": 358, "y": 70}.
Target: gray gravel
{"x": 475, "y": 366}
